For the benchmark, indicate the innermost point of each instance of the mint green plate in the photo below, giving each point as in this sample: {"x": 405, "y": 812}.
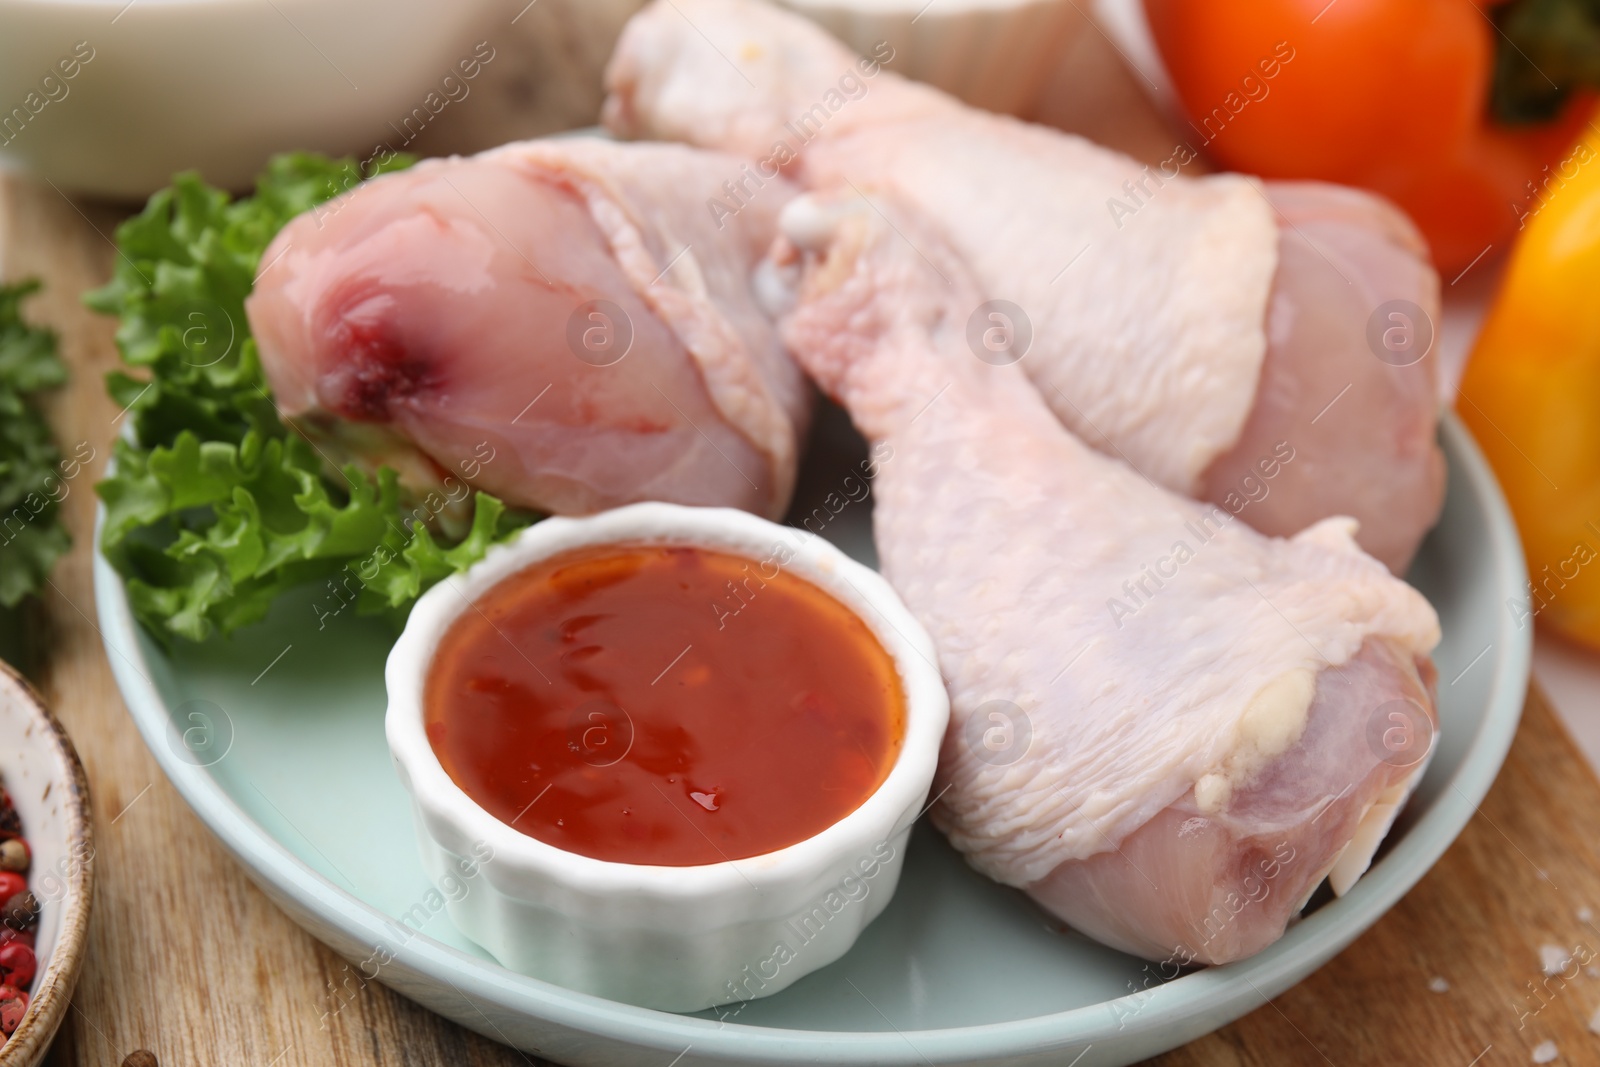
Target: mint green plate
{"x": 276, "y": 740}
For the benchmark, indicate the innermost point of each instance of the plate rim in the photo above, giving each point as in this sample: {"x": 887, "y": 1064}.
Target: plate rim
{"x": 1211, "y": 997}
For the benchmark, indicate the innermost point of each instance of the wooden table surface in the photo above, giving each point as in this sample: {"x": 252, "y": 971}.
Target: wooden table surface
{"x": 188, "y": 960}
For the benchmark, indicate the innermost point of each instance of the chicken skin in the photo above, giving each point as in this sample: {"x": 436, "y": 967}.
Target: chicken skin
{"x": 1191, "y": 326}
{"x": 1167, "y": 728}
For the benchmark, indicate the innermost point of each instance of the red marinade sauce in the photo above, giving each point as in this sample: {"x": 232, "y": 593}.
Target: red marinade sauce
{"x": 664, "y": 705}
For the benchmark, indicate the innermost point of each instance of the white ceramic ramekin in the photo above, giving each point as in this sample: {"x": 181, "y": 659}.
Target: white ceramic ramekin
{"x": 994, "y": 54}
{"x": 673, "y": 938}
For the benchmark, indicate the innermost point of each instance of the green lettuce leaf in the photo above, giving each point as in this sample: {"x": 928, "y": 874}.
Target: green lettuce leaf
{"x": 216, "y": 507}
{"x": 32, "y": 484}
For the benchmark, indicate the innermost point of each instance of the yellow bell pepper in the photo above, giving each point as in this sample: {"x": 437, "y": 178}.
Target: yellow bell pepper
{"x": 1531, "y": 395}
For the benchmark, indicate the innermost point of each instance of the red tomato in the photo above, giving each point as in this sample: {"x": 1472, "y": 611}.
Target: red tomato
{"x": 1358, "y": 80}
{"x": 1390, "y": 95}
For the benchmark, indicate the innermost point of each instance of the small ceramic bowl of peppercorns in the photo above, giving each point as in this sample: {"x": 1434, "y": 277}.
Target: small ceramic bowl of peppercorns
{"x": 46, "y": 872}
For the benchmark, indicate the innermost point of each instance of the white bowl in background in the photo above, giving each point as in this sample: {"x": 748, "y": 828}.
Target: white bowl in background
{"x": 111, "y": 97}
{"x": 671, "y": 938}
{"x": 994, "y": 54}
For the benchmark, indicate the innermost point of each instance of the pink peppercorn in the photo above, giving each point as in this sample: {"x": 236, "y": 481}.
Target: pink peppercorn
{"x": 17, "y": 964}
{"x": 13, "y": 1006}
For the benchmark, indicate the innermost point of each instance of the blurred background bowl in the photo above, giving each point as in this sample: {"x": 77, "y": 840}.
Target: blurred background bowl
{"x": 158, "y": 86}
{"x": 111, "y": 97}
{"x": 994, "y": 54}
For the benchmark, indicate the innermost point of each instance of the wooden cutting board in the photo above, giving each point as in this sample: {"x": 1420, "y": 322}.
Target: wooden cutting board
{"x": 188, "y": 960}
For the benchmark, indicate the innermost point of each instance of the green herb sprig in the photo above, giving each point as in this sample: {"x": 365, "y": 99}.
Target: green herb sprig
{"x": 32, "y": 537}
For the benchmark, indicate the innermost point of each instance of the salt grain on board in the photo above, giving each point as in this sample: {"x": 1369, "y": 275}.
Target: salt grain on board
{"x": 1545, "y": 1052}
{"x": 1439, "y": 985}
{"x": 1553, "y": 959}
{"x": 1585, "y": 915}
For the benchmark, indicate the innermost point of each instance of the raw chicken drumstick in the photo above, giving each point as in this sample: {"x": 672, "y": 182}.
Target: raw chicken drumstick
{"x": 556, "y": 322}
{"x": 1196, "y": 327}
{"x": 1166, "y": 728}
